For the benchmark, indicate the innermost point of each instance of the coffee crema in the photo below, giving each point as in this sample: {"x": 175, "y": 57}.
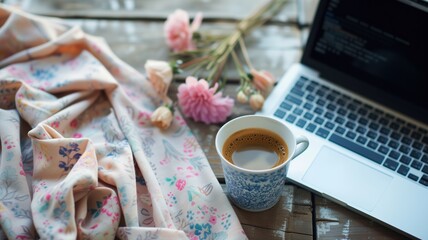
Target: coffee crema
{"x": 255, "y": 149}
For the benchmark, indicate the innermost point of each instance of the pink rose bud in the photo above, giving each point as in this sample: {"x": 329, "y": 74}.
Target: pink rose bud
{"x": 160, "y": 75}
{"x": 257, "y": 101}
{"x": 162, "y": 117}
{"x": 242, "y": 97}
{"x": 178, "y": 31}
{"x": 263, "y": 80}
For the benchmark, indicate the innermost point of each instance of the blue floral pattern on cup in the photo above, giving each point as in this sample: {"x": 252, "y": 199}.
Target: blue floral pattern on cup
{"x": 254, "y": 192}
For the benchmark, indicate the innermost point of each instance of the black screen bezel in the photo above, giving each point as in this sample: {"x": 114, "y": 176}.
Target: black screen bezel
{"x": 353, "y": 84}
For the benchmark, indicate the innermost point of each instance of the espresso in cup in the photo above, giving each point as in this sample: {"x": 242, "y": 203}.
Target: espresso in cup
{"x": 255, "y": 149}
{"x": 255, "y": 153}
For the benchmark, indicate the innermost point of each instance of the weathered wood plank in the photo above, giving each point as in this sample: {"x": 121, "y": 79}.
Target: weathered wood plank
{"x": 290, "y": 218}
{"x": 160, "y": 9}
{"x": 336, "y": 222}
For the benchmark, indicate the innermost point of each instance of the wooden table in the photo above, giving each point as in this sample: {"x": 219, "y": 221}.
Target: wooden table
{"x": 134, "y": 30}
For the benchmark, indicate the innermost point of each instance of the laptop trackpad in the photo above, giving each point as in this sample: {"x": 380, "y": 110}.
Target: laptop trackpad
{"x": 346, "y": 179}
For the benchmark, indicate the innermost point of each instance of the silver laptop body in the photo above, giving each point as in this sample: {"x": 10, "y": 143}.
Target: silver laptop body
{"x": 363, "y": 64}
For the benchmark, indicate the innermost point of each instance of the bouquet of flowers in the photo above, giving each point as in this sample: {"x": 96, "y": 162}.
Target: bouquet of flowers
{"x": 202, "y": 99}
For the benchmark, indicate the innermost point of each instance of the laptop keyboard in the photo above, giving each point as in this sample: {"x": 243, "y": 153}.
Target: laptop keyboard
{"x": 379, "y": 136}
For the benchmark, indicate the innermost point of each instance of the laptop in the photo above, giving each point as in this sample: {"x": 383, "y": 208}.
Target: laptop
{"x": 360, "y": 94}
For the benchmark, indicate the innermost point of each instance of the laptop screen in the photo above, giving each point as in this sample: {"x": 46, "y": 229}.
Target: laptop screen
{"x": 383, "y": 44}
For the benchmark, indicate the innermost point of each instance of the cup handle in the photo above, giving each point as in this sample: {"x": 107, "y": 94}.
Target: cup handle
{"x": 302, "y": 143}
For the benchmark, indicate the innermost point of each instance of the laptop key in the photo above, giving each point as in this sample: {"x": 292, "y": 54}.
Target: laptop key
{"x": 331, "y": 97}
{"x": 308, "y": 116}
{"x": 361, "y": 140}
{"x": 405, "y": 159}
{"x": 340, "y": 130}
{"x": 341, "y": 101}
{"x": 308, "y": 106}
{"x": 310, "y": 88}
{"x": 291, "y": 118}
{"x": 310, "y": 97}
{"x": 393, "y": 144}
{"x": 293, "y": 99}
{"x": 298, "y": 111}
{"x": 329, "y": 125}
{"x": 384, "y": 121}
{"x": 394, "y": 154}
{"x": 425, "y": 169}
{"x": 404, "y": 149}
{"x": 331, "y": 107}
{"x": 339, "y": 120}
{"x": 416, "y": 165}
{"x": 311, "y": 127}
{"x": 297, "y": 91}
{"x": 363, "y": 121}
{"x": 372, "y": 145}
{"x": 403, "y": 170}
{"x": 318, "y": 110}
{"x": 280, "y": 114}
{"x": 319, "y": 120}
{"x": 372, "y": 134}
{"x": 405, "y": 130}
{"x": 362, "y": 111}
{"x": 320, "y": 93}
{"x": 363, "y": 151}
{"x": 374, "y": 126}
{"x": 424, "y": 180}
{"x": 395, "y": 135}
{"x": 416, "y": 135}
{"x": 351, "y": 125}
{"x": 385, "y": 130}
{"x": 361, "y": 130}
{"x": 301, "y": 123}
{"x": 382, "y": 139}
{"x": 286, "y": 106}
{"x": 391, "y": 164}
{"x": 413, "y": 177}
{"x": 342, "y": 111}
{"x": 352, "y": 116}
{"x": 394, "y": 125}
{"x": 322, "y": 132}
{"x": 350, "y": 135}
{"x": 373, "y": 116}
{"x": 417, "y": 145}
{"x": 415, "y": 154}
{"x": 301, "y": 82}
{"x": 352, "y": 107}
{"x": 383, "y": 149}
{"x": 406, "y": 140}
{"x": 425, "y": 158}
{"x": 329, "y": 115}
{"x": 321, "y": 102}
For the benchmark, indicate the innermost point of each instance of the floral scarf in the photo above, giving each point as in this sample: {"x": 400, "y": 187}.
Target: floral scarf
{"x": 79, "y": 158}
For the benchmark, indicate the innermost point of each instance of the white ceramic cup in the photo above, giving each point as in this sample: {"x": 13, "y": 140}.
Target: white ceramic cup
{"x": 257, "y": 190}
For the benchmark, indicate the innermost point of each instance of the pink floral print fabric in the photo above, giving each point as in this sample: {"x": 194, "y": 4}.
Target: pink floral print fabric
{"x": 79, "y": 156}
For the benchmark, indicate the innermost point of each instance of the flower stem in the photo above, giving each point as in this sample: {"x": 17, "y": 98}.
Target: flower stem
{"x": 218, "y": 52}
{"x": 193, "y": 61}
{"x": 245, "y": 53}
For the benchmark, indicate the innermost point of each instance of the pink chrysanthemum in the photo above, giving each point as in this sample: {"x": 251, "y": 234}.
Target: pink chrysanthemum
{"x": 200, "y": 102}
